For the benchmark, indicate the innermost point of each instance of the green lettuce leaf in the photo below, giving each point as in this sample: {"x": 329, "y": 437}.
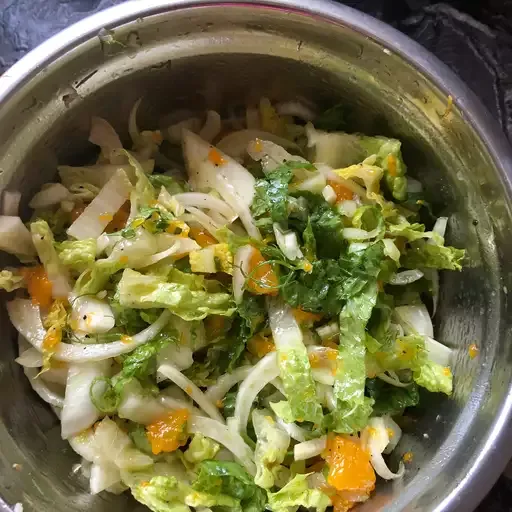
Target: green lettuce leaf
{"x": 271, "y": 447}
{"x": 137, "y": 290}
{"x": 172, "y": 185}
{"x": 227, "y": 483}
{"x": 309, "y": 241}
{"x": 11, "y": 280}
{"x": 294, "y": 366}
{"x": 162, "y": 494}
{"x": 390, "y": 399}
{"x": 140, "y": 362}
{"x": 201, "y": 448}
{"x": 401, "y": 353}
{"x": 77, "y": 254}
{"x": 353, "y": 408}
{"x": 297, "y": 493}
{"x": 434, "y": 377}
{"x": 433, "y": 256}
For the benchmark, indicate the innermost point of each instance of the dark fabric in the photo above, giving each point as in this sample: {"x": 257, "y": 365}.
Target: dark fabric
{"x": 473, "y": 37}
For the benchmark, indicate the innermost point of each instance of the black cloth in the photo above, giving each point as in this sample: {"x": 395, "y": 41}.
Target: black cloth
{"x": 473, "y": 37}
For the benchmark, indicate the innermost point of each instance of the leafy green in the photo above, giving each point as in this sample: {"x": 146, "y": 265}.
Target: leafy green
{"x": 293, "y": 362}
{"x": 77, "y": 254}
{"x": 390, "y": 399}
{"x": 326, "y": 225}
{"x": 96, "y": 278}
{"x": 201, "y": 448}
{"x": 333, "y": 119}
{"x": 433, "y": 256}
{"x": 10, "y": 280}
{"x": 271, "y": 447}
{"x": 228, "y": 479}
{"x": 296, "y": 493}
{"x": 332, "y": 282}
{"x": 401, "y": 353}
{"x": 309, "y": 241}
{"x": 138, "y": 435}
{"x": 434, "y": 377}
{"x": 389, "y": 158}
{"x": 271, "y": 194}
{"x": 155, "y": 220}
{"x": 137, "y": 290}
{"x": 250, "y": 317}
{"x": 369, "y": 218}
{"x": 162, "y": 494}
{"x": 138, "y": 363}
{"x": 353, "y": 408}
{"x": 172, "y": 185}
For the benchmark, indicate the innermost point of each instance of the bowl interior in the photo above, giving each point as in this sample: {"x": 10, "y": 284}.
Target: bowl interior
{"x": 225, "y": 57}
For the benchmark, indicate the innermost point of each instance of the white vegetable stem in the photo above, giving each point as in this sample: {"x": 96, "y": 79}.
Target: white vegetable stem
{"x": 173, "y": 374}
{"x": 27, "y": 320}
{"x": 91, "y": 315}
{"x": 308, "y": 449}
{"x": 265, "y": 371}
{"x": 375, "y": 437}
{"x": 15, "y": 238}
{"x": 211, "y": 127}
{"x": 225, "y": 436}
{"x": 287, "y": 242}
{"x": 94, "y": 219}
{"x": 202, "y": 170}
{"x": 225, "y": 382}
{"x": 79, "y": 412}
{"x": 235, "y": 144}
{"x": 44, "y": 392}
{"x": 208, "y": 201}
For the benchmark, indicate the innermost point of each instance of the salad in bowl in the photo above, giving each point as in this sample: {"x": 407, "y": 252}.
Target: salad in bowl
{"x": 234, "y": 313}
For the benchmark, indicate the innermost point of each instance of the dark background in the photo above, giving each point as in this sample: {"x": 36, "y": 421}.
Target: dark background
{"x": 474, "y": 38}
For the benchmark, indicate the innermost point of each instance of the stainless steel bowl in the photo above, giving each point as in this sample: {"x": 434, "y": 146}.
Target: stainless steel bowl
{"x": 191, "y": 54}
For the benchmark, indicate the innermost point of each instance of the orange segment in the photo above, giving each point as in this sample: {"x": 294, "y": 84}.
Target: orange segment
{"x": 167, "y": 434}
{"x": 262, "y": 279}
{"x": 203, "y": 238}
{"x": 38, "y": 285}
{"x": 473, "y": 351}
{"x": 215, "y": 157}
{"x": 260, "y": 346}
{"x": 341, "y": 191}
{"x": 349, "y": 465}
{"x": 305, "y": 317}
{"x": 323, "y": 358}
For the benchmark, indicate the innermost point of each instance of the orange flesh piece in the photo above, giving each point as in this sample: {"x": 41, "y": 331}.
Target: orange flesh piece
{"x": 260, "y": 346}
{"x": 262, "y": 279}
{"x": 473, "y": 351}
{"x": 166, "y": 434}
{"x": 349, "y": 465}
{"x": 215, "y": 157}
{"x": 203, "y": 238}
{"x": 341, "y": 191}
{"x": 38, "y": 285}
{"x": 305, "y": 317}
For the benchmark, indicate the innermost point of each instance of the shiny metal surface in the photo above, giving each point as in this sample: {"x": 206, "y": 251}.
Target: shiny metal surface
{"x": 187, "y": 54}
